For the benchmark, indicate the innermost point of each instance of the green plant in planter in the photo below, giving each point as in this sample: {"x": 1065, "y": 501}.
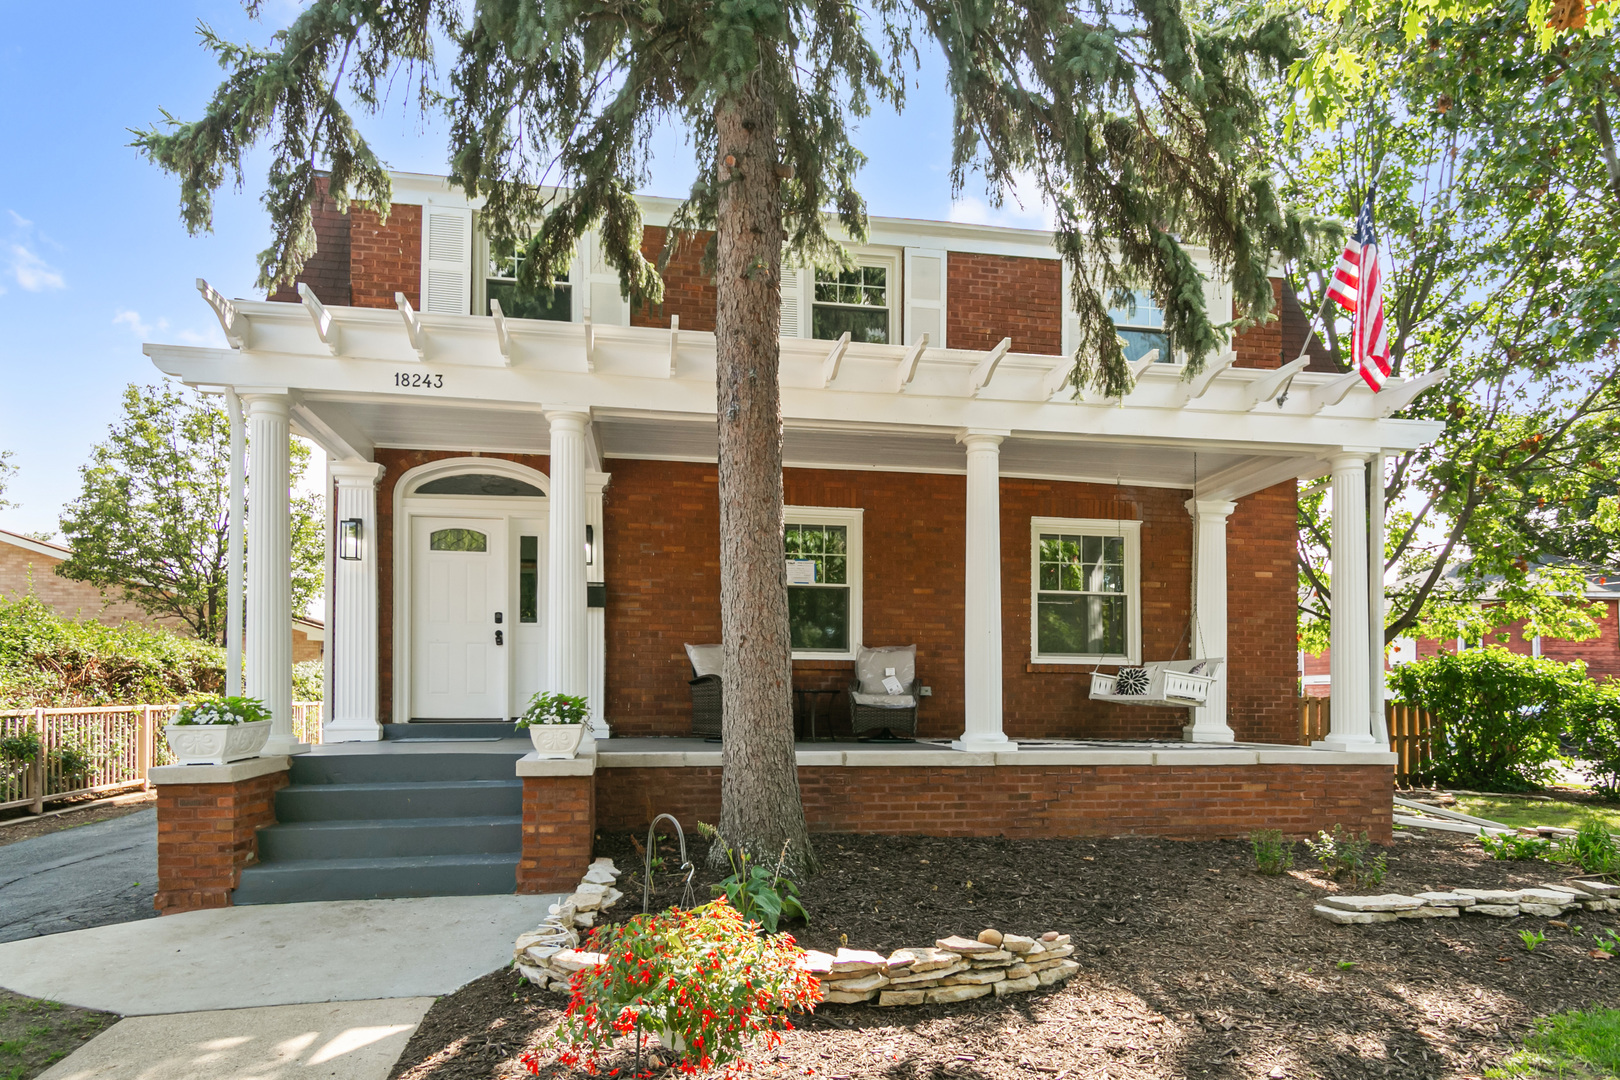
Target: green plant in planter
{"x": 763, "y": 895}
{"x": 548, "y": 707}
{"x": 703, "y": 980}
{"x": 221, "y": 710}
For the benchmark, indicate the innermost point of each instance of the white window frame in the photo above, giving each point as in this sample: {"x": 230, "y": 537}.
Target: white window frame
{"x": 1131, "y": 533}
{"x": 851, "y": 519}
{"x": 1141, "y": 328}
{"x": 888, "y": 260}
{"x": 481, "y": 256}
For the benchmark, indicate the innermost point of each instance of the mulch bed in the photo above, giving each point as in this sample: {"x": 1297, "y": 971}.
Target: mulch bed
{"x": 1191, "y": 964}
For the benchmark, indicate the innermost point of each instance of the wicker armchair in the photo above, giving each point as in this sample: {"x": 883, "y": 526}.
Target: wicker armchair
{"x": 706, "y": 691}
{"x": 872, "y": 708}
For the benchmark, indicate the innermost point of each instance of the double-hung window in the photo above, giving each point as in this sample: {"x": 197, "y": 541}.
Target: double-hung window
{"x": 500, "y": 283}
{"x": 1140, "y": 322}
{"x": 1085, "y": 591}
{"x": 859, "y": 301}
{"x": 822, "y": 547}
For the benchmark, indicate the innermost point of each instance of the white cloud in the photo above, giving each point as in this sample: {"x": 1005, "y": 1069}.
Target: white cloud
{"x": 212, "y": 338}
{"x": 1021, "y": 208}
{"x": 32, "y": 272}
{"x": 19, "y": 221}
{"x": 137, "y": 325}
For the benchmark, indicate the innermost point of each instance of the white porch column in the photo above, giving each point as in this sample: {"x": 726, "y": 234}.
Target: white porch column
{"x": 233, "y": 547}
{"x": 1376, "y": 684}
{"x": 1349, "y": 661}
{"x": 567, "y": 651}
{"x": 596, "y": 617}
{"x": 351, "y": 636}
{"x": 1209, "y": 614}
{"x": 269, "y": 563}
{"x": 982, "y": 639}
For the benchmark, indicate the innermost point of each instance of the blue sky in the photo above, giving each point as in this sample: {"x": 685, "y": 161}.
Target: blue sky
{"x": 94, "y": 259}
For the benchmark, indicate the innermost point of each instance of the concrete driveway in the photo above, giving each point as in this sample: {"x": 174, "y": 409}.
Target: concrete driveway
{"x": 88, "y": 876}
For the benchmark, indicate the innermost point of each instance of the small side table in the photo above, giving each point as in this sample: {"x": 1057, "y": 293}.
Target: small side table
{"x": 809, "y": 706}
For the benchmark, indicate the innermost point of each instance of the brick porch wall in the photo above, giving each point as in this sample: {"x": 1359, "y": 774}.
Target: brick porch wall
{"x": 1023, "y": 801}
{"x": 559, "y": 828}
{"x": 206, "y": 834}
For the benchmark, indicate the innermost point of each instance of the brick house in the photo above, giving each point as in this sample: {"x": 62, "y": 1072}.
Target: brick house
{"x": 553, "y": 458}
{"x": 29, "y": 565}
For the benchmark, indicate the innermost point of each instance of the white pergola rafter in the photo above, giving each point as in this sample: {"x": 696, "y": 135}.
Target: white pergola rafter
{"x": 325, "y": 328}
{"x": 413, "y": 325}
{"x": 906, "y": 370}
{"x": 503, "y": 339}
{"x": 1273, "y": 385}
{"x": 986, "y": 369}
{"x": 231, "y": 320}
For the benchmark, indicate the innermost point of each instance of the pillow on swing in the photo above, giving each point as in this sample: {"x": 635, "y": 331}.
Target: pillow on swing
{"x": 1131, "y": 682}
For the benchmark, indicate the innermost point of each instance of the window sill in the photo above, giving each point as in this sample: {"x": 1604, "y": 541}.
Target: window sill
{"x": 835, "y": 661}
{"x": 1053, "y": 666}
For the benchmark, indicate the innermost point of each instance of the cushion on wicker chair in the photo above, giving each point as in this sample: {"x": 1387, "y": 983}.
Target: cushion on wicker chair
{"x": 870, "y": 665}
{"x": 884, "y": 701}
{"x": 706, "y": 659}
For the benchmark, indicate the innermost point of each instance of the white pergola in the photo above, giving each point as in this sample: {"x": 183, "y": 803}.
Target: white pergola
{"x": 355, "y": 379}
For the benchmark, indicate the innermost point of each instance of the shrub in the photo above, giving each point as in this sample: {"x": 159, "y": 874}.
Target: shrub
{"x": 704, "y": 979}
{"x": 1508, "y": 847}
{"x": 1592, "y": 848}
{"x": 1348, "y": 857}
{"x": 1273, "y": 853}
{"x": 756, "y": 893}
{"x": 309, "y": 680}
{"x": 18, "y": 751}
{"x": 1498, "y": 716}
{"x": 1594, "y": 733}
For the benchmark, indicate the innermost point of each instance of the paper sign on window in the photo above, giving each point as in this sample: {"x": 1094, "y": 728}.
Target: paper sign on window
{"x": 801, "y": 571}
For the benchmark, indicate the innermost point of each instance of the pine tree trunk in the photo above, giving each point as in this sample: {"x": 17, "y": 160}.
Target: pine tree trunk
{"x": 760, "y": 808}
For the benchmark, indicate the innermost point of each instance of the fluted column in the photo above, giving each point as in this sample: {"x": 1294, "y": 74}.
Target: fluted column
{"x": 1209, "y": 723}
{"x": 1376, "y": 683}
{"x": 982, "y": 618}
{"x": 567, "y": 644}
{"x": 352, "y": 635}
{"x": 1349, "y": 663}
{"x": 269, "y": 568}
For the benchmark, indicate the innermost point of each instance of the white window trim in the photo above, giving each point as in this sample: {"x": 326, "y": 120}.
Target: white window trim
{"x": 481, "y": 277}
{"x": 888, "y": 260}
{"x": 851, "y": 519}
{"x": 1131, "y": 532}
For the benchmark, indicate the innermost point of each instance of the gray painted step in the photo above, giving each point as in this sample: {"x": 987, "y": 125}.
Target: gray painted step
{"x": 392, "y": 801}
{"x": 466, "y": 729}
{"x": 299, "y": 880}
{"x": 401, "y": 767}
{"x": 400, "y": 837}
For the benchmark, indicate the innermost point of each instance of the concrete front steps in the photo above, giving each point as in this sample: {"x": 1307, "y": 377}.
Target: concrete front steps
{"x": 394, "y": 821}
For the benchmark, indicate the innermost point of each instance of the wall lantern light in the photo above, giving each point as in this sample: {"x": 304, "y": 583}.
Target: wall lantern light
{"x": 590, "y": 546}
{"x": 349, "y": 539}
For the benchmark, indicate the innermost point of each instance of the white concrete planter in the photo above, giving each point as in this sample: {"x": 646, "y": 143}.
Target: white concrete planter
{"x": 556, "y": 740}
{"x": 216, "y": 744}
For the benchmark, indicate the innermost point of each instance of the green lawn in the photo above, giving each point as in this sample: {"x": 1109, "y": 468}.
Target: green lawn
{"x": 1565, "y": 814}
{"x": 1567, "y": 1046}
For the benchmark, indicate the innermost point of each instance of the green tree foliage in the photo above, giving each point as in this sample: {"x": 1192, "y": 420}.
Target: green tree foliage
{"x": 1499, "y": 197}
{"x": 1498, "y": 715}
{"x": 7, "y": 471}
{"x": 153, "y": 516}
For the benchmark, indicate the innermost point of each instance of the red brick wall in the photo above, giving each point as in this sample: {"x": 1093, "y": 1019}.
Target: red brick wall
{"x": 397, "y": 463}
{"x": 688, "y": 291}
{"x": 989, "y": 297}
{"x": 1601, "y": 653}
{"x": 559, "y": 828}
{"x": 1205, "y": 802}
{"x": 385, "y": 258}
{"x": 1262, "y": 638}
{"x": 206, "y": 834}
{"x": 1261, "y": 346}
{"x": 327, "y": 271}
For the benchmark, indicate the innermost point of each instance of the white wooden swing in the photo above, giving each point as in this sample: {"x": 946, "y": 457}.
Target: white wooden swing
{"x": 1183, "y": 683}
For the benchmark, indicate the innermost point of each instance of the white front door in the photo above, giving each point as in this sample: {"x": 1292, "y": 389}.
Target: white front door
{"x": 459, "y": 591}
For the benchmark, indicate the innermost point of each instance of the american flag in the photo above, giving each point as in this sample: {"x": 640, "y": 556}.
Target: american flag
{"x": 1358, "y": 287}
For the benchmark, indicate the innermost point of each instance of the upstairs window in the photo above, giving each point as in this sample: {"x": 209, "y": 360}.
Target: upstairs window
{"x": 500, "y": 283}
{"x": 1140, "y": 322}
{"x": 856, "y": 301}
{"x": 823, "y": 552}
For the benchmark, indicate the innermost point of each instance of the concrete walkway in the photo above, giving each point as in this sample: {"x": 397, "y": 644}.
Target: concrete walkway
{"x": 277, "y": 954}
{"x": 87, "y": 876}
{"x": 347, "y": 1040}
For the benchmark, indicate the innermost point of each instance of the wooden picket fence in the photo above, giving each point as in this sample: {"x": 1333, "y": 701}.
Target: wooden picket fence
{"x": 1411, "y": 733}
{"x": 113, "y": 745}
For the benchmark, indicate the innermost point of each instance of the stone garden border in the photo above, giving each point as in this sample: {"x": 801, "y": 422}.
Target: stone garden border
{"x": 1546, "y": 900}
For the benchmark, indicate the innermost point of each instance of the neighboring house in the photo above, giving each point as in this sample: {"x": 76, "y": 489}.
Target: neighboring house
{"x": 28, "y": 564}
{"x": 534, "y": 505}
{"x": 1601, "y": 653}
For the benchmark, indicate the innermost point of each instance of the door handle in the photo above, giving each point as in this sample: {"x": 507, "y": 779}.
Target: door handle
{"x": 500, "y": 639}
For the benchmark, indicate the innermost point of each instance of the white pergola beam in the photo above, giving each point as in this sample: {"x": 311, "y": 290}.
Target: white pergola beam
{"x": 674, "y": 342}
{"x": 835, "y": 359}
{"x": 590, "y": 342}
{"x": 1056, "y": 377}
{"x": 1137, "y": 368}
{"x": 986, "y": 369}
{"x": 1393, "y": 399}
{"x": 1272, "y": 386}
{"x": 340, "y": 439}
{"x": 1196, "y": 387}
{"x": 413, "y": 325}
{"x": 503, "y": 337}
{"x": 906, "y": 370}
{"x": 325, "y": 328}
{"x": 231, "y": 320}
{"x": 1333, "y": 392}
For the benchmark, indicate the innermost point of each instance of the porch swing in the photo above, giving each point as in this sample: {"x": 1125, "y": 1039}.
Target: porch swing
{"x": 1181, "y": 683}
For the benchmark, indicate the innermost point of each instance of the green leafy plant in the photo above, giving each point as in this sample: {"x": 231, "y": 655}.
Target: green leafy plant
{"x": 19, "y": 751}
{"x": 1567, "y": 1044}
{"x": 73, "y": 763}
{"x": 221, "y": 710}
{"x": 1273, "y": 852}
{"x": 766, "y": 896}
{"x": 1348, "y": 857}
{"x": 1594, "y": 736}
{"x": 1592, "y": 848}
{"x": 1510, "y": 847}
{"x": 547, "y": 708}
{"x": 1346, "y": 965}
{"x": 1531, "y": 939}
{"x": 703, "y": 981}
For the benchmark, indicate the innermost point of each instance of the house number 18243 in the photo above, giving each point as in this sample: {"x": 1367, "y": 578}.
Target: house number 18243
{"x": 418, "y": 380}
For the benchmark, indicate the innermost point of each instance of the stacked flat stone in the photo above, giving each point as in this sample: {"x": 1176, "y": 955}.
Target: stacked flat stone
{"x": 1547, "y": 900}
{"x": 952, "y": 969}
{"x": 548, "y": 956}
